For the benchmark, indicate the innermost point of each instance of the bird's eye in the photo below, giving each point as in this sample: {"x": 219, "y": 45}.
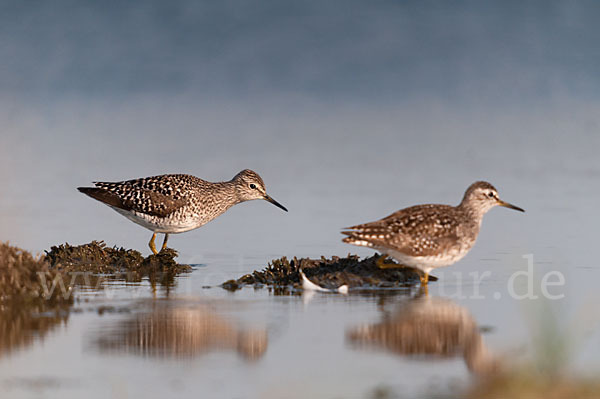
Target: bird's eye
{"x": 491, "y": 194}
{"x": 252, "y": 186}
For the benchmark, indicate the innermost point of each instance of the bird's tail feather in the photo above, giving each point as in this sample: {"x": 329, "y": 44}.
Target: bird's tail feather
{"x": 103, "y": 196}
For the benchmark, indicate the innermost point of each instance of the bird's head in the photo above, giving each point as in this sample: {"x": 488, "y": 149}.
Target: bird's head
{"x": 250, "y": 186}
{"x": 481, "y": 196}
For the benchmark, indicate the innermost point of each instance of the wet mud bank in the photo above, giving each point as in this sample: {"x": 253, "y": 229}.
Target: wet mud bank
{"x": 284, "y": 275}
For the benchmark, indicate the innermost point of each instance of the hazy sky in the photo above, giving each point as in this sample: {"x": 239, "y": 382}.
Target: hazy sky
{"x": 340, "y": 49}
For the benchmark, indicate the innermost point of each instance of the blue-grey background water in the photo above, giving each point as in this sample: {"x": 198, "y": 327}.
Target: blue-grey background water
{"x": 349, "y": 111}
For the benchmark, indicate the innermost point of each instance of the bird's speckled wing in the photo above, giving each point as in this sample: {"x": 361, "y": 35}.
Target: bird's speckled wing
{"x": 421, "y": 230}
{"x": 154, "y": 196}
{"x": 174, "y": 185}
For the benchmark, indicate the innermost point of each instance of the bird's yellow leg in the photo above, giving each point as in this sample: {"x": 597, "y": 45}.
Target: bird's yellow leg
{"x": 424, "y": 278}
{"x": 165, "y": 242}
{"x": 151, "y": 244}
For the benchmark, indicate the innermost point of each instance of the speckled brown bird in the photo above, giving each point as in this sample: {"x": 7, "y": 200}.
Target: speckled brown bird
{"x": 177, "y": 203}
{"x": 429, "y": 236}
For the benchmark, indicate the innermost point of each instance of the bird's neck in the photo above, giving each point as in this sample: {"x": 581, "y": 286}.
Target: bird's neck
{"x": 232, "y": 188}
{"x": 226, "y": 194}
{"x": 474, "y": 211}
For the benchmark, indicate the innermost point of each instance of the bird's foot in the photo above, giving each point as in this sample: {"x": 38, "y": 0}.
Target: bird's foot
{"x": 381, "y": 263}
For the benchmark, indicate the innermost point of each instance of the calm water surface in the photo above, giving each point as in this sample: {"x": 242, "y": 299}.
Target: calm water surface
{"x": 198, "y": 340}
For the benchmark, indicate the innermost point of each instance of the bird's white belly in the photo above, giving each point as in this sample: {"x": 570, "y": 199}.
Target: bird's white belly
{"x": 426, "y": 263}
{"x": 160, "y": 225}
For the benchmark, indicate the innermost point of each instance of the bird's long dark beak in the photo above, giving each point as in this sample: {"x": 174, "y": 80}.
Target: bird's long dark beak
{"x": 272, "y": 201}
{"x": 511, "y": 206}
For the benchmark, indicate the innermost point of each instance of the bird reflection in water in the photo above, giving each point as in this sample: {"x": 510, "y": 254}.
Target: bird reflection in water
{"x": 429, "y": 326}
{"x": 169, "y": 331}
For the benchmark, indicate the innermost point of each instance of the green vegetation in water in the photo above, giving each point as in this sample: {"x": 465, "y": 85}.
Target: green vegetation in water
{"x": 546, "y": 375}
{"x": 284, "y": 275}
{"x": 530, "y": 384}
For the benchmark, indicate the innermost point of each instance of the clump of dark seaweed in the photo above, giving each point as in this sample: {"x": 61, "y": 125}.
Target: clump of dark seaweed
{"x": 95, "y": 257}
{"x": 327, "y": 273}
{"x": 29, "y": 305}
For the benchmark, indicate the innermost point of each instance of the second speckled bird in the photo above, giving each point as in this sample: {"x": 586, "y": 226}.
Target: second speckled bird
{"x": 429, "y": 236}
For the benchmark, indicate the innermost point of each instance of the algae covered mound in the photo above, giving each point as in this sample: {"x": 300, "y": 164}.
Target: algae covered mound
{"x": 96, "y": 257}
{"x": 36, "y": 293}
{"x": 30, "y": 305}
{"x": 24, "y": 278}
{"x": 527, "y": 382}
{"x": 328, "y": 273}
